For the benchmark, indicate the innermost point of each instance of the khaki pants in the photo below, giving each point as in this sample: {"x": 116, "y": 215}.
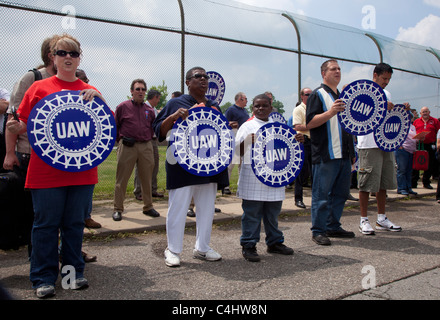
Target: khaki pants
{"x": 141, "y": 155}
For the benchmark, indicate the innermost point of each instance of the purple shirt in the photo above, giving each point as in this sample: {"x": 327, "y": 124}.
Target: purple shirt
{"x": 134, "y": 121}
{"x": 410, "y": 144}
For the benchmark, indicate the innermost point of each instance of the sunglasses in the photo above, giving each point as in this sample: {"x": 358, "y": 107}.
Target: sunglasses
{"x": 199, "y": 76}
{"x": 63, "y": 53}
{"x": 139, "y": 89}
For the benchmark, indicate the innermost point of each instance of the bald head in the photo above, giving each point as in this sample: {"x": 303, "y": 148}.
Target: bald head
{"x": 425, "y": 113}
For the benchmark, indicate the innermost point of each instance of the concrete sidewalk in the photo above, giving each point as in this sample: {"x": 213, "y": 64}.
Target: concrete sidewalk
{"x": 133, "y": 221}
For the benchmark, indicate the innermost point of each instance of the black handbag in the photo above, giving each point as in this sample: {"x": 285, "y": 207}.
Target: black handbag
{"x": 129, "y": 142}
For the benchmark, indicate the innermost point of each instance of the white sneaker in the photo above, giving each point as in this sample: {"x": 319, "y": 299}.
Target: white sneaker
{"x": 80, "y": 283}
{"x": 387, "y": 225}
{"x": 365, "y": 227}
{"x": 211, "y": 255}
{"x": 171, "y": 259}
{"x": 45, "y": 291}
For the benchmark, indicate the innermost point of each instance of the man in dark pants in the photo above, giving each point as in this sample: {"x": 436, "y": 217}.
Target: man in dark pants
{"x": 332, "y": 151}
{"x": 299, "y": 124}
{"x": 431, "y": 124}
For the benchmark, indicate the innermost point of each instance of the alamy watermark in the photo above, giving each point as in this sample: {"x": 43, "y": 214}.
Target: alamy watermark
{"x": 369, "y": 19}
{"x": 69, "y": 21}
{"x": 369, "y": 281}
{"x": 69, "y": 277}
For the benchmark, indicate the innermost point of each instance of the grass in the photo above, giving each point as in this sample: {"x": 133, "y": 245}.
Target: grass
{"x": 104, "y": 190}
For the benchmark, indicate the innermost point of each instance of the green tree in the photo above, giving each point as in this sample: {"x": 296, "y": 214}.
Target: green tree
{"x": 163, "y": 89}
{"x": 275, "y": 104}
{"x": 225, "y": 106}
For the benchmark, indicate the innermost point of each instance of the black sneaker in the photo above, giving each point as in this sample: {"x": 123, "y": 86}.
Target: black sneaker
{"x": 191, "y": 213}
{"x": 250, "y": 254}
{"x": 341, "y": 233}
{"x": 280, "y": 248}
{"x": 321, "y": 240}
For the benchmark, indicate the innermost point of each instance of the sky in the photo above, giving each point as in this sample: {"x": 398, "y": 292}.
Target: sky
{"x": 115, "y": 55}
{"x": 415, "y": 21}
{"x": 411, "y": 20}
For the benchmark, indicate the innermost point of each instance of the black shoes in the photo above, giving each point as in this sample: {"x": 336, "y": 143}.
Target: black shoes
{"x": 250, "y": 254}
{"x": 152, "y": 213}
{"x": 427, "y": 186}
{"x": 117, "y": 216}
{"x": 300, "y": 204}
{"x": 322, "y": 240}
{"x": 280, "y": 248}
{"x": 341, "y": 233}
{"x": 191, "y": 213}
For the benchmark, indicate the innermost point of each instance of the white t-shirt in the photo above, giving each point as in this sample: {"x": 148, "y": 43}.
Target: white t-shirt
{"x": 249, "y": 187}
{"x": 4, "y": 94}
{"x": 367, "y": 141}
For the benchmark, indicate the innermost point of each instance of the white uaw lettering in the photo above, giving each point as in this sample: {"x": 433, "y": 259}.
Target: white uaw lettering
{"x": 74, "y": 129}
{"x": 362, "y": 108}
{"x": 212, "y": 92}
{"x": 392, "y": 127}
{"x": 204, "y": 141}
{"x": 276, "y": 155}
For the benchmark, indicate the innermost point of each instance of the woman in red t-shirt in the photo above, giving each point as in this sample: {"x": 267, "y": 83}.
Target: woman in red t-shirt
{"x": 61, "y": 199}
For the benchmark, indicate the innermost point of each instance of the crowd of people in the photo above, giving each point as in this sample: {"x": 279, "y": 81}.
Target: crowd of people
{"x": 62, "y": 200}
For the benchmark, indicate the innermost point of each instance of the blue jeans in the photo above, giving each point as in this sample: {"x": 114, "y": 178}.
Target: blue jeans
{"x": 61, "y": 211}
{"x": 253, "y": 212}
{"x": 404, "y": 162}
{"x": 331, "y": 187}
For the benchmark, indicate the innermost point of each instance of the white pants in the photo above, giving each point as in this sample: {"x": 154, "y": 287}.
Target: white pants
{"x": 179, "y": 200}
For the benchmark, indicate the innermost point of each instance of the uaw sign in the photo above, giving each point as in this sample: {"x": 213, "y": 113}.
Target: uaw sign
{"x": 203, "y": 143}
{"x": 277, "y": 157}
{"x": 365, "y": 107}
{"x": 216, "y": 87}
{"x": 277, "y": 117}
{"x": 69, "y": 133}
{"x": 391, "y": 134}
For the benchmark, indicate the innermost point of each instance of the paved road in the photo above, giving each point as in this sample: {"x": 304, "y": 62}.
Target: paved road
{"x": 401, "y": 265}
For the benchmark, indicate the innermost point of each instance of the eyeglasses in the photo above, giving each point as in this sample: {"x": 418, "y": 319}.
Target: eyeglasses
{"x": 139, "y": 89}
{"x": 199, "y": 75}
{"x": 63, "y": 53}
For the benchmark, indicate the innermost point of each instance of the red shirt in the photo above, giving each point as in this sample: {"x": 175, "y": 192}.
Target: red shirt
{"x": 41, "y": 175}
{"x": 432, "y": 125}
{"x": 134, "y": 121}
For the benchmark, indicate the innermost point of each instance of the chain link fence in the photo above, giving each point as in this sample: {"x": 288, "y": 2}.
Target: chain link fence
{"x": 254, "y": 49}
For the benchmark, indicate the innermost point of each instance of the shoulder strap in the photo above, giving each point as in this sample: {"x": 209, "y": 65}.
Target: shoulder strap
{"x": 37, "y": 74}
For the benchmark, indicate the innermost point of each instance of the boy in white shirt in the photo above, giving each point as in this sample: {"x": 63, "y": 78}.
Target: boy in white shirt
{"x": 259, "y": 201}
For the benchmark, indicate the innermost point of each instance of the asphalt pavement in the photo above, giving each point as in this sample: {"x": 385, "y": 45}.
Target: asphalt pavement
{"x": 387, "y": 266}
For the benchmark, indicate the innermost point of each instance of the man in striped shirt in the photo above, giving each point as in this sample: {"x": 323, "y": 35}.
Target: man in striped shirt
{"x": 332, "y": 154}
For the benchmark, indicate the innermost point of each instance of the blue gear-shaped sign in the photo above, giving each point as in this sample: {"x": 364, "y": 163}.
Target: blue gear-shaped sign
{"x": 203, "y": 142}
{"x": 391, "y": 134}
{"x": 216, "y": 87}
{"x": 365, "y": 107}
{"x": 69, "y": 133}
{"x": 277, "y": 158}
{"x": 277, "y": 117}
